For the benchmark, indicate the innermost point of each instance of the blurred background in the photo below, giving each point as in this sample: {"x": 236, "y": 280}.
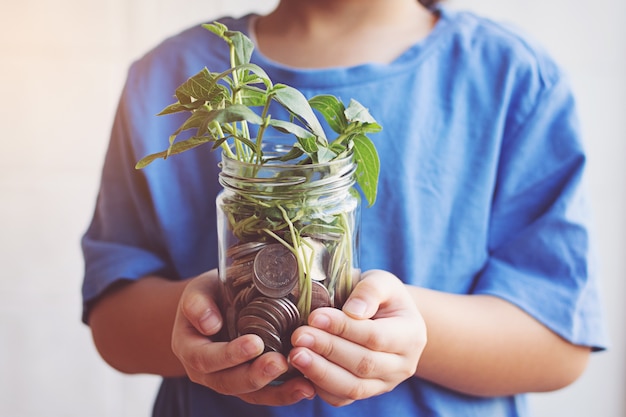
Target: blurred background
{"x": 62, "y": 67}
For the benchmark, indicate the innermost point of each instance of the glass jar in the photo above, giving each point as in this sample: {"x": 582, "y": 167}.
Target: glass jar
{"x": 288, "y": 244}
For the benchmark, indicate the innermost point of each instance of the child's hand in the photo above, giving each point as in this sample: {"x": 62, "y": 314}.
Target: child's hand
{"x": 367, "y": 349}
{"x": 228, "y": 367}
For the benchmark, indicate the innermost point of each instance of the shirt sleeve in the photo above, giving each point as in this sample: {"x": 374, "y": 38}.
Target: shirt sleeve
{"x": 540, "y": 245}
{"x": 122, "y": 241}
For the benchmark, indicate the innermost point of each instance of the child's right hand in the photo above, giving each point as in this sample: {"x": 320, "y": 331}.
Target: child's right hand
{"x": 232, "y": 368}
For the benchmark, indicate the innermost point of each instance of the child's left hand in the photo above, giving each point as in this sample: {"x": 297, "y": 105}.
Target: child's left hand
{"x": 366, "y": 349}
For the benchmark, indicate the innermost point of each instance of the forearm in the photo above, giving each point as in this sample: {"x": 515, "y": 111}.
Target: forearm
{"x": 132, "y": 325}
{"x": 483, "y": 345}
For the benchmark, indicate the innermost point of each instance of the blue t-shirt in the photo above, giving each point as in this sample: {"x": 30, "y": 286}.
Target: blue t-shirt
{"x": 480, "y": 192}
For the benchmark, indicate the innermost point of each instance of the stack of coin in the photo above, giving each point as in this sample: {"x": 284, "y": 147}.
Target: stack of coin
{"x": 239, "y": 289}
{"x": 272, "y": 319}
{"x": 262, "y": 290}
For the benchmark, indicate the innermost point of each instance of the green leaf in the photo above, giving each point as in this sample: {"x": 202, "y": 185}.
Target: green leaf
{"x": 236, "y": 113}
{"x": 333, "y": 111}
{"x": 252, "y": 96}
{"x": 243, "y": 46}
{"x": 292, "y": 128}
{"x": 324, "y": 155}
{"x": 323, "y": 231}
{"x": 341, "y": 150}
{"x": 368, "y": 167}
{"x": 261, "y": 75}
{"x": 297, "y": 104}
{"x": 217, "y": 28}
{"x": 293, "y": 153}
{"x": 178, "y": 147}
{"x": 370, "y": 128}
{"x": 202, "y": 118}
{"x": 180, "y": 107}
{"x": 357, "y": 113}
{"x": 201, "y": 86}
{"x": 246, "y": 141}
{"x": 308, "y": 145}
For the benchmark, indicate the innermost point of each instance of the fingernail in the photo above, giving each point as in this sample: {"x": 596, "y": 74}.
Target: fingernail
{"x": 355, "y": 307}
{"x": 302, "y": 358}
{"x": 305, "y": 340}
{"x": 251, "y": 348}
{"x": 304, "y": 395}
{"x": 321, "y": 321}
{"x": 209, "y": 322}
{"x": 273, "y": 370}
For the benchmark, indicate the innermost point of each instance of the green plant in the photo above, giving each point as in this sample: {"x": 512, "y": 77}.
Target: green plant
{"x": 222, "y": 108}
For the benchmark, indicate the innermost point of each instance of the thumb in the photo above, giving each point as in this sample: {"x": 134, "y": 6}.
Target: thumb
{"x": 198, "y": 306}
{"x": 375, "y": 289}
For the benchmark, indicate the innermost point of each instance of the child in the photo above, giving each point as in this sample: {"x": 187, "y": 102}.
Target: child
{"x": 479, "y": 284}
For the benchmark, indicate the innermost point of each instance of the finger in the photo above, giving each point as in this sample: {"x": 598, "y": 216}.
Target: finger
{"x": 200, "y": 355}
{"x": 380, "y": 294}
{"x": 247, "y": 377}
{"x": 287, "y": 393}
{"x": 380, "y": 335}
{"x": 199, "y": 308}
{"x": 332, "y": 398}
{"x": 334, "y": 382}
{"x": 361, "y": 361}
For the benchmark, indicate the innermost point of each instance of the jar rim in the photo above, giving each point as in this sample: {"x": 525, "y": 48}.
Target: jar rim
{"x": 274, "y": 162}
{"x": 284, "y": 177}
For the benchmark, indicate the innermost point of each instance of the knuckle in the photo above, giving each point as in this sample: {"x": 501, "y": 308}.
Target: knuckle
{"x": 375, "y": 342}
{"x": 219, "y": 385}
{"x": 197, "y": 362}
{"x": 324, "y": 347}
{"x": 252, "y": 384}
{"x": 342, "y": 326}
{"x": 366, "y": 366}
{"x": 355, "y": 393}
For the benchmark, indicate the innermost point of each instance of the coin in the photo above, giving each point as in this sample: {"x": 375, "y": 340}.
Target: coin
{"x": 317, "y": 256}
{"x": 271, "y": 340}
{"x": 319, "y": 296}
{"x": 243, "y": 280}
{"x": 268, "y": 312}
{"x": 290, "y": 311}
{"x": 264, "y": 326}
{"x": 239, "y": 250}
{"x": 245, "y": 296}
{"x": 275, "y": 270}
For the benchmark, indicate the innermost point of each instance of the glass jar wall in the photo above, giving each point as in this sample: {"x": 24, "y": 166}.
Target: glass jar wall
{"x": 288, "y": 244}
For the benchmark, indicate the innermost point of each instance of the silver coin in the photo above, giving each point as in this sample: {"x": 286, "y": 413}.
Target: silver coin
{"x": 275, "y": 271}
{"x": 317, "y": 256}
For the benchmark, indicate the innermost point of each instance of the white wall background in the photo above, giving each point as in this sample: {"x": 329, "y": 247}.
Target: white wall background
{"x": 62, "y": 65}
